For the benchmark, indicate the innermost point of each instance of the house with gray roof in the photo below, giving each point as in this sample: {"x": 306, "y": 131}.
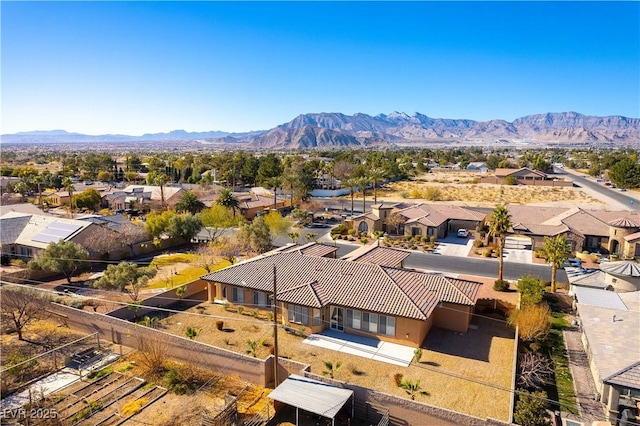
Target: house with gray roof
{"x": 610, "y": 322}
{"x": 362, "y": 296}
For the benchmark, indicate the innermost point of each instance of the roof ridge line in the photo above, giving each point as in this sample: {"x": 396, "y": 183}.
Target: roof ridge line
{"x": 404, "y": 293}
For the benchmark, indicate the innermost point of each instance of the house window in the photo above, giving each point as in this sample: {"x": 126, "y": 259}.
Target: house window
{"x": 416, "y": 231}
{"x": 370, "y": 322}
{"x": 363, "y": 227}
{"x": 387, "y": 325}
{"x": 429, "y": 231}
{"x": 260, "y": 299}
{"x": 317, "y": 320}
{"x": 298, "y": 314}
{"x": 237, "y": 295}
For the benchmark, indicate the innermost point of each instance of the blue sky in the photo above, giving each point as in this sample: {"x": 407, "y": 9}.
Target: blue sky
{"x": 136, "y": 67}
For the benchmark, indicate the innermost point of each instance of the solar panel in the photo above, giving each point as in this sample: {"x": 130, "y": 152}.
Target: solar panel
{"x": 56, "y": 231}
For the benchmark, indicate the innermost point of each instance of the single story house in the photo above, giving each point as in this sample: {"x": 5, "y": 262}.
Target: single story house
{"x": 610, "y": 322}
{"x": 353, "y": 296}
{"x": 525, "y": 176}
{"x": 602, "y": 231}
{"x": 422, "y": 219}
{"x": 126, "y": 198}
{"x": 477, "y": 166}
{"x": 252, "y": 205}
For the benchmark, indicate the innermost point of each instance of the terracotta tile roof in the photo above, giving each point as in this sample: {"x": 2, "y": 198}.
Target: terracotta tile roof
{"x": 366, "y": 216}
{"x": 624, "y": 222}
{"x": 632, "y": 237}
{"x": 628, "y": 377}
{"x": 587, "y": 224}
{"x": 313, "y": 249}
{"x": 382, "y": 256}
{"x": 437, "y": 214}
{"x": 310, "y": 280}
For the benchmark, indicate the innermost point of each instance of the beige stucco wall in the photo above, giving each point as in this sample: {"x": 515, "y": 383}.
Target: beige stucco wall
{"x": 622, "y": 284}
{"x": 453, "y": 317}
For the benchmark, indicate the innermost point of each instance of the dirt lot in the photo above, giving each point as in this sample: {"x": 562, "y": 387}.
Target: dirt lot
{"x": 484, "y": 354}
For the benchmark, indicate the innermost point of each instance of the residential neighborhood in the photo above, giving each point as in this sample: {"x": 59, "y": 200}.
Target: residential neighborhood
{"x": 401, "y": 305}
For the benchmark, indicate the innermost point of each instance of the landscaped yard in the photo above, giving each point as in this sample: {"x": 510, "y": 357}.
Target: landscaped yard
{"x": 563, "y": 379}
{"x": 177, "y": 269}
{"x": 483, "y": 355}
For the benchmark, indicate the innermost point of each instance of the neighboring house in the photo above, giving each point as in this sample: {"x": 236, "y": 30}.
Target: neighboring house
{"x": 354, "y": 296}
{"x": 477, "y": 166}
{"x": 134, "y": 196}
{"x": 422, "y": 219}
{"x": 25, "y": 236}
{"x": 603, "y": 231}
{"x": 5, "y": 180}
{"x": 525, "y": 176}
{"x": 252, "y": 205}
{"x": 610, "y": 322}
{"x": 323, "y": 180}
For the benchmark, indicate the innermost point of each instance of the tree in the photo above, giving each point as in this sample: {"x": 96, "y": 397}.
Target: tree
{"x": 21, "y": 188}
{"x": 412, "y": 388}
{"x": 67, "y": 183}
{"x": 89, "y": 199}
{"x": 531, "y": 409}
{"x": 256, "y": 237}
{"x": 311, "y": 236}
{"x": 105, "y": 176}
{"x": 189, "y": 203}
{"x": 20, "y": 306}
{"x": 158, "y": 223}
{"x": 394, "y": 221}
{"x": 63, "y": 256}
{"x": 557, "y": 250}
{"x": 531, "y": 290}
{"x": 625, "y": 173}
{"x": 228, "y": 248}
{"x": 532, "y": 321}
{"x": 499, "y": 224}
{"x": 127, "y": 277}
{"x": 536, "y": 371}
{"x": 185, "y": 226}
{"x": 330, "y": 369}
{"x": 274, "y": 183}
{"x": 270, "y": 166}
{"x": 363, "y": 182}
{"x": 352, "y": 184}
{"x": 228, "y": 200}
{"x": 374, "y": 176}
{"x": 218, "y": 219}
{"x": 206, "y": 257}
{"x": 277, "y": 224}
{"x": 158, "y": 179}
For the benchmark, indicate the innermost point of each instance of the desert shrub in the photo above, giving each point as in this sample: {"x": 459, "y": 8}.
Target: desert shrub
{"x": 220, "y": 325}
{"x": 132, "y": 407}
{"x": 423, "y": 239}
{"x": 501, "y": 285}
{"x": 240, "y": 309}
{"x": 397, "y": 378}
{"x": 531, "y": 409}
{"x": 478, "y": 243}
{"x": 510, "y": 180}
{"x": 340, "y": 229}
{"x": 415, "y": 193}
{"x": 19, "y": 263}
{"x": 432, "y": 194}
{"x": 404, "y": 194}
{"x": 351, "y": 232}
{"x": 432, "y": 239}
{"x": 417, "y": 355}
{"x": 487, "y": 252}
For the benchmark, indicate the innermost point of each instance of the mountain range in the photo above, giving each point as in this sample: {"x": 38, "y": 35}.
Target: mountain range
{"x": 395, "y": 129}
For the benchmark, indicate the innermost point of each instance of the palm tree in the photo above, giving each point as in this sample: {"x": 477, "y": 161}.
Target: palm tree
{"x": 352, "y": 184}
{"x": 375, "y": 176}
{"x": 331, "y": 369}
{"x": 189, "y": 203}
{"x": 294, "y": 236}
{"x": 363, "y": 182}
{"x": 274, "y": 183}
{"x": 160, "y": 180}
{"x": 38, "y": 181}
{"x": 499, "y": 224}
{"x": 228, "y": 200}
{"x": 557, "y": 249}
{"x": 412, "y": 388}
{"x": 67, "y": 183}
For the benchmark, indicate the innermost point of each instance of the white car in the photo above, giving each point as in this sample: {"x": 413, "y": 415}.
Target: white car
{"x": 463, "y": 233}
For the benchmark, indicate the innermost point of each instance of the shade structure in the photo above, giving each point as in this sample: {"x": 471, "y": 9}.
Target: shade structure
{"x": 311, "y": 395}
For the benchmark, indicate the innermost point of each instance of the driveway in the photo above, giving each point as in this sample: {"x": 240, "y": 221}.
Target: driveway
{"x": 452, "y": 245}
{"x": 517, "y": 256}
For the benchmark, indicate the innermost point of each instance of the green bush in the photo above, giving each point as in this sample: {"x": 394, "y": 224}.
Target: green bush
{"x": 351, "y": 232}
{"x": 19, "y": 263}
{"x": 340, "y": 229}
{"x": 478, "y": 243}
{"x": 501, "y": 285}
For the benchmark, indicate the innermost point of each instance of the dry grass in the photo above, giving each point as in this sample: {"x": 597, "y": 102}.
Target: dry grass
{"x": 483, "y": 355}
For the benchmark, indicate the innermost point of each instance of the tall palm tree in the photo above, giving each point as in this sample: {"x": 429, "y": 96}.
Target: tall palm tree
{"x": 38, "y": 181}
{"x": 499, "y": 224}
{"x": 274, "y": 183}
{"x": 189, "y": 203}
{"x": 160, "y": 180}
{"x": 557, "y": 249}
{"x": 352, "y": 184}
{"x": 363, "y": 182}
{"x": 228, "y": 200}
{"x": 375, "y": 176}
{"x": 67, "y": 183}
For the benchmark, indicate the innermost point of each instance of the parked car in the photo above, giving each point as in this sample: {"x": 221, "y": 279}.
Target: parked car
{"x": 622, "y": 189}
{"x": 463, "y": 233}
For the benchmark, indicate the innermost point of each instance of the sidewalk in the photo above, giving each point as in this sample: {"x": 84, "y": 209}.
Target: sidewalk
{"x": 590, "y": 410}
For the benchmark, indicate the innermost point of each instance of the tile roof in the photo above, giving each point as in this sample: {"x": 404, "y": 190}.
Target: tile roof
{"x": 313, "y": 249}
{"x": 382, "y": 256}
{"x": 628, "y": 377}
{"x": 364, "y": 286}
{"x": 632, "y": 237}
{"x": 437, "y": 214}
{"x": 627, "y": 268}
{"x": 624, "y": 222}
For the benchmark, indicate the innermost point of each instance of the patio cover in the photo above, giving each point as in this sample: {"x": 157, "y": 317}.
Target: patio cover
{"x": 311, "y": 395}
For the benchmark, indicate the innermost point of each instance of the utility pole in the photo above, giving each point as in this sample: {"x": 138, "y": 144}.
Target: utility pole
{"x": 275, "y": 330}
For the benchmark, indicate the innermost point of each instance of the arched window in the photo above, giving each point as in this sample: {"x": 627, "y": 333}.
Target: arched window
{"x": 363, "y": 227}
